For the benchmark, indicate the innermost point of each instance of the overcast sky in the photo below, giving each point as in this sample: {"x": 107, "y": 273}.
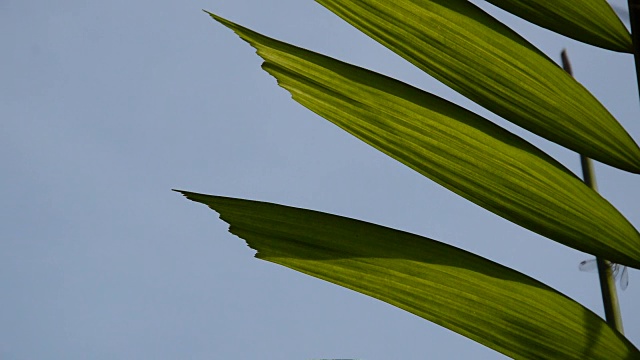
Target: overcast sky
{"x": 106, "y": 106}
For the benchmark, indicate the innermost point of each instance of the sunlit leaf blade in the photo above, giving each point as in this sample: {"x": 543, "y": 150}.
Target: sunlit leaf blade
{"x": 455, "y": 148}
{"x": 489, "y": 303}
{"x": 474, "y": 54}
{"x": 591, "y": 21}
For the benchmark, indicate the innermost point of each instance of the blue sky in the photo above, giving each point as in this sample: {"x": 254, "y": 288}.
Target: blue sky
{"x": 106, "y": 106}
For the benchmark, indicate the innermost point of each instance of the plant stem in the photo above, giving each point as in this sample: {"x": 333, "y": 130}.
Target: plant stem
{"x": 605, "y": 272}
{"x": 634, "y": 20}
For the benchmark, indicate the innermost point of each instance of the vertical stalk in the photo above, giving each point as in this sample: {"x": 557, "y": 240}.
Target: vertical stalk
{"x": 605, "y": 272}
{"x": 634, "y": 20}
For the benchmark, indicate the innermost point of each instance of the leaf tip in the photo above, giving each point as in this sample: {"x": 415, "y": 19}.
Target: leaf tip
{"x": 191, "y": 195}
{"x": 221, "y": 20}
{"x": 183, "y": 192}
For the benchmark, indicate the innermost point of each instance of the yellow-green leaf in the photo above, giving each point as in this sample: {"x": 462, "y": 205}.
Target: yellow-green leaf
{"x": 459, "y": 150}
{"x": 484, "y": 301}
{"x": 591, "y": 21}
{"x": 476, "y": 55}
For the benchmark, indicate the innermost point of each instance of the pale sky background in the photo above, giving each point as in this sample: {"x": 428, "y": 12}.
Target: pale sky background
{"x": 106, "y": 106}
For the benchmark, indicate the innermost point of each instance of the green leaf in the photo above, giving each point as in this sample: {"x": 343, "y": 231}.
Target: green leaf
{"x": 482, "y": 59}
{"x": 459, "y": 150}
{"x": 591, "y": 21}
{"x": 484, "y": 301}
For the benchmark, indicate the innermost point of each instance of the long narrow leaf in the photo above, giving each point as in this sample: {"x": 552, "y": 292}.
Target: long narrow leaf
{"x": 484, "y": 301}
{"x": 474, "y": 54}
{"x": 455, "y": 148}
{"x": 591, "y": 21}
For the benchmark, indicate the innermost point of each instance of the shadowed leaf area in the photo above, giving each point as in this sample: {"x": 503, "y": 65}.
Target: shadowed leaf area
{"x": 592, "y": 21}
{"x": 487, "y": 302}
